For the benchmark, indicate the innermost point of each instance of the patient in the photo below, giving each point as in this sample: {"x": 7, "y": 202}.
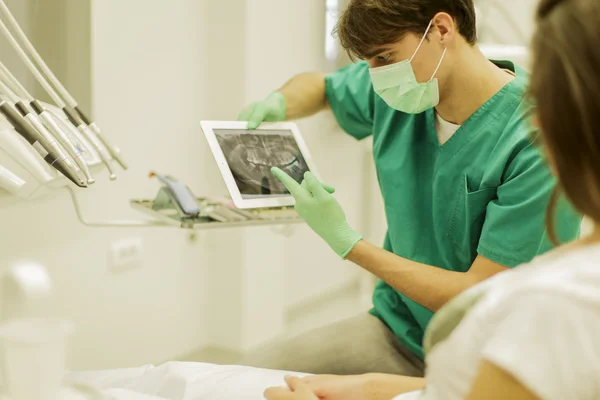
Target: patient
{"x": 533, "y": 332}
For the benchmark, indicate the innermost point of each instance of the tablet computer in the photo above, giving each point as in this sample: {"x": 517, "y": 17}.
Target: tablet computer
{"x": 245, "y": 158}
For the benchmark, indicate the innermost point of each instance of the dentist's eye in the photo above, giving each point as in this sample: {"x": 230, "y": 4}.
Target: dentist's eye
{"x": 384, "y": 57}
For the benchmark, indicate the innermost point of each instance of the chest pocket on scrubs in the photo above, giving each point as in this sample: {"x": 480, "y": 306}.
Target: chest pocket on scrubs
{"x": 467, "y": 217}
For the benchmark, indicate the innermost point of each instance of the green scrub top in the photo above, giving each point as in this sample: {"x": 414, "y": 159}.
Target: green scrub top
{"x": 484, "y": 191}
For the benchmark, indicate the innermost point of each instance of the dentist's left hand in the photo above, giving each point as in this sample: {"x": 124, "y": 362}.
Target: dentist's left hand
{"x": 321, "y": 211}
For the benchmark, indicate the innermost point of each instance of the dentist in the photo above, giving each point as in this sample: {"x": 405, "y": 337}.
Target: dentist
{"x": 464, "y": 186}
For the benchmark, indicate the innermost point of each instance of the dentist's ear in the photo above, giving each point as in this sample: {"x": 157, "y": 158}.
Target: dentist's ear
{"x": 445, "y": 28}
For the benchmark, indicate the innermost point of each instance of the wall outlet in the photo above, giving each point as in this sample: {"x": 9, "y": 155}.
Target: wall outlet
{"x": 126, "y": 254}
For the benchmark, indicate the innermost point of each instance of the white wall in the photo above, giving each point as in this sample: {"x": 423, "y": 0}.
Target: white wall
{"x": 267, "y": 51}
{"x": 506, "y": 21}
{"x": 155, "y": 70}
{"x": 274, "y": 52}
{"x": 124, "y": 319}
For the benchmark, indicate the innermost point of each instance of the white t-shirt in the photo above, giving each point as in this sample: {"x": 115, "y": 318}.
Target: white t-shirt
{"x": 540, "y": 323}
{"x": 444, "y": 129}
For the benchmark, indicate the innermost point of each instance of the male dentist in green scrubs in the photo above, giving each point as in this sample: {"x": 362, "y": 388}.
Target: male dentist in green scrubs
{"x": 464, "y": 187}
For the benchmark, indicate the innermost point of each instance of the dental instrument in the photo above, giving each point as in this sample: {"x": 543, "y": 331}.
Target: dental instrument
{"x": 54, "y": 116}
{"x": 90, "y": 154}
{"x": 74, "y": 118}
{"x": 70, "y": 100}
{"x": 6, "y": 78}
{"x": 46, "y": 150}
{"x": 185, "y": 198}
{"x": 24, "y": 157}
{"x": 48, "y": 138}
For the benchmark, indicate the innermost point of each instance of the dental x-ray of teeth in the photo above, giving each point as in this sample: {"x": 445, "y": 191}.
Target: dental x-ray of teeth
{"x": 251, "y": 155}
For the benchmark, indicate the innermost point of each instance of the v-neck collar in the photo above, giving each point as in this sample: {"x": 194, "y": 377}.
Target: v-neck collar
{"x": 496, "y": 105}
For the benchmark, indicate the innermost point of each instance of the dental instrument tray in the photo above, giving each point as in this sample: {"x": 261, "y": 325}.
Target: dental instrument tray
{"x": 213, "y": 213}
{"x": 176, "y": 205}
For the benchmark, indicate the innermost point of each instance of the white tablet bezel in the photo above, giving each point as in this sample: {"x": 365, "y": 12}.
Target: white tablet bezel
{"x": 279, "y": 201}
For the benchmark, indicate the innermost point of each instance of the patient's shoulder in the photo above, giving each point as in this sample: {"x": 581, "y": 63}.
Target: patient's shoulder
{"x": 572, "y": 275}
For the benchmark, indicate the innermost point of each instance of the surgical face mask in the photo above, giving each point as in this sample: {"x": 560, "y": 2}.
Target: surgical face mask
{"x": 398, "y": 86}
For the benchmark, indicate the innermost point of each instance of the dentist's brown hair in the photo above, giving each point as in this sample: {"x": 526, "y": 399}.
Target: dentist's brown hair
{"x": 366, "y": 25}
{"x": 565, "y": 85}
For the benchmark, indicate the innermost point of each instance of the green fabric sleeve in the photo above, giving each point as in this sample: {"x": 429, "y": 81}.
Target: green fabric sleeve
{"x": 351, "y": 98}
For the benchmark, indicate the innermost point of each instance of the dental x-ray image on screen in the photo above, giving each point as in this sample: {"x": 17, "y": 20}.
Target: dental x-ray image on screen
{"x": 251, "y": 155}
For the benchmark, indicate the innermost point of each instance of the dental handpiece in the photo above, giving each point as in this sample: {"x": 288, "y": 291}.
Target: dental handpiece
{"x": 53, "y": 127}
{"x": 102, "y": 151}
{"x": 46, "y": 138}
{"x": 96, "y": 129}
{"x": 70, "y": 100}
{"x": 83, "y": 128}
{"x": 46, "y": 119}
{"x": 29, "y": 133}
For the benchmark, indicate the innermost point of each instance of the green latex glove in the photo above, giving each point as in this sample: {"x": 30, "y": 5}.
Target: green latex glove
{"x": 329, "y": 189}
{"x": 321, "y": 211}
{"x": 271, "y": 109}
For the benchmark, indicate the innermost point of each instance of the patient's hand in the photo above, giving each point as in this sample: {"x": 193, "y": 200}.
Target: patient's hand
{"x": 336, "y": 387}
{"x": 296, "y": 390}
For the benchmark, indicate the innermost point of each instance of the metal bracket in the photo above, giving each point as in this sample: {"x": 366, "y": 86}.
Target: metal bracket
{"x": 165, "y": 212}
{"x": 109, "y": 224}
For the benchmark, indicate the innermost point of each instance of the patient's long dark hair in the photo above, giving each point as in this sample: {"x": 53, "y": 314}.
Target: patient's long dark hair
{"x": 565, "y": 85}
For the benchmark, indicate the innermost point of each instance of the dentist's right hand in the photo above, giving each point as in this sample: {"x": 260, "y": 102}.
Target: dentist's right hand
{"x": 271, "y": 109}
{"x": 321, "y": 211}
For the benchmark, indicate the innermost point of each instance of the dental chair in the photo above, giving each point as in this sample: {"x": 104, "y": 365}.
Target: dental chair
{"x": 183, "y": 381}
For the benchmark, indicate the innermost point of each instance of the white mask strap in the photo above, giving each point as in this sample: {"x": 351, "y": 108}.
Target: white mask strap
{"x": 422, "y": 40}
{"x": 439, "y": 64}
